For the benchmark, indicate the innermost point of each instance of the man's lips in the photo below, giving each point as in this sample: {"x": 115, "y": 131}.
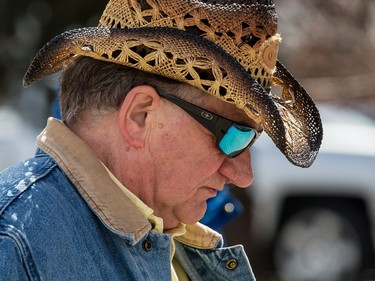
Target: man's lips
{"x": 213, "y": 191}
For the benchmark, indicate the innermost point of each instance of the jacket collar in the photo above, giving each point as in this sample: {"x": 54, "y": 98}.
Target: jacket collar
{"x": 93, "y": 182}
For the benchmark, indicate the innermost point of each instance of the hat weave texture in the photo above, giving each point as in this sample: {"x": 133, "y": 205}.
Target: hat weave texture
{"x": 224, "y": 48}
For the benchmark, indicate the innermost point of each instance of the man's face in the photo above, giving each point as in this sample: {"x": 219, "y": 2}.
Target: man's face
{"x": 188, "y": 168}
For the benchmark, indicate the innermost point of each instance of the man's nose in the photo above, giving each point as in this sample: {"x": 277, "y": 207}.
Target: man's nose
{"x": 238, "y": 170}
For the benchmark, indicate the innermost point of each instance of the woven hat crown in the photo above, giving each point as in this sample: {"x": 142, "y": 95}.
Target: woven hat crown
{"x": 246, "y": 31}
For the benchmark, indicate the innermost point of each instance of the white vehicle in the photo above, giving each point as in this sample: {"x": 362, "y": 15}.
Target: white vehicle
{"x": 318, "y": 223}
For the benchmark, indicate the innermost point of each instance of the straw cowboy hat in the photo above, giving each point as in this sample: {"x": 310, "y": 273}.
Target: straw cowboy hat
{"x": 226, "y": 48}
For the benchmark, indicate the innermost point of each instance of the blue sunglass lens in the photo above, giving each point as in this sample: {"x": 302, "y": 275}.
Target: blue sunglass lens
{"x": 236, "y": 139}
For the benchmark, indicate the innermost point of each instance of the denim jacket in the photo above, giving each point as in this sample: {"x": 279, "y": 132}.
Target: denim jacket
{"x": 62, "y": 218}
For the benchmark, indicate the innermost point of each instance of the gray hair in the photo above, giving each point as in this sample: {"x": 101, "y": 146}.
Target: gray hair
{"x": 95, "y": 87}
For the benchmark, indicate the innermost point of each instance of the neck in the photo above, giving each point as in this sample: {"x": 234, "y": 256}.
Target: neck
{"x": 131, "y": 166}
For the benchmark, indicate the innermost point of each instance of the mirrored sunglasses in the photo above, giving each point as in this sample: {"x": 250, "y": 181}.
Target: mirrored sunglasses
{"x": 231, "y": 138}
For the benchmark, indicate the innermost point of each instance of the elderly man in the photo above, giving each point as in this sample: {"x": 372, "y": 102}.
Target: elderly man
{"x": 159, "y": 105}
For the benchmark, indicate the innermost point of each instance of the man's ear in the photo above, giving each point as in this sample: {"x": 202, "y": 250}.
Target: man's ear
{"x": 133, "y": 114}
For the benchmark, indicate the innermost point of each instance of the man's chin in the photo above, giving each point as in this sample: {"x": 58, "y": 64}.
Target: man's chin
{"x": 194, "y": 215}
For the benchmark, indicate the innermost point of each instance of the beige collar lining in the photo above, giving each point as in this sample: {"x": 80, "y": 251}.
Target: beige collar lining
{"x": 90, "y": 177}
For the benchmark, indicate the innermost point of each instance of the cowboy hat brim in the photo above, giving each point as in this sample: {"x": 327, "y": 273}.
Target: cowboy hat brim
{"x": 292, "y": 123}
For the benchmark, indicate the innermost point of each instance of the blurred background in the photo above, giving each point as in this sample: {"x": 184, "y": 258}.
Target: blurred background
{"x": 295, "y": 224}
